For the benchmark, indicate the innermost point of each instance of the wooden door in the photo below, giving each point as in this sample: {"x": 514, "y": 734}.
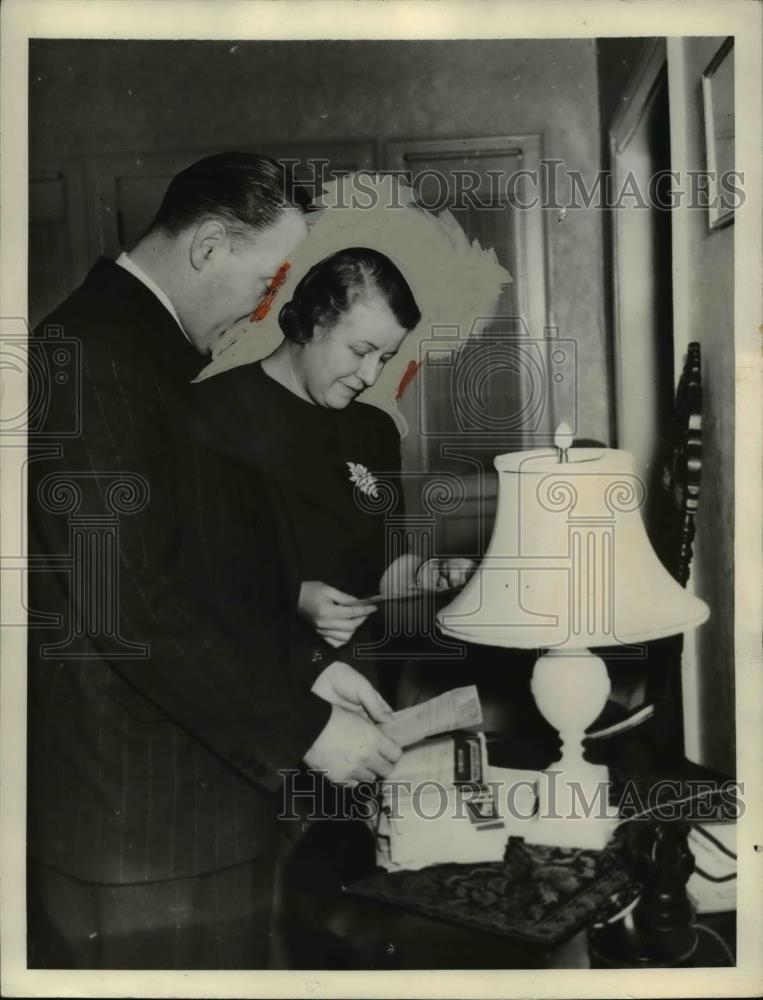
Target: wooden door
{"x": 128, "y": 189}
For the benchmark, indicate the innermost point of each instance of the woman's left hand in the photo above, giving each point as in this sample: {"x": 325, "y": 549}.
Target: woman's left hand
{"x": 444, "y": 574}
{"x": 333, "y": 614}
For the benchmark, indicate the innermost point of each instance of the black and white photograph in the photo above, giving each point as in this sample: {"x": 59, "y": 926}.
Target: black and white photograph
{"x": 380, "y": 432}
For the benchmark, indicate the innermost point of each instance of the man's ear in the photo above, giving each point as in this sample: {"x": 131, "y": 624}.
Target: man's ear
{"x": 209, "y": 237}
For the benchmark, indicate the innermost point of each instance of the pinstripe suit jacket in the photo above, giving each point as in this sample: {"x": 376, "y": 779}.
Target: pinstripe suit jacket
{"x": 168, "y": 676}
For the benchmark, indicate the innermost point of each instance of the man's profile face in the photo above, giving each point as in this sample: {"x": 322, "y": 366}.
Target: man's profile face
{"x": 239, "y": 272}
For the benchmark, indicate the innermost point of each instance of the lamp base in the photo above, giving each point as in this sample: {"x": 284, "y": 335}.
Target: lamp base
{"x": 570, "y": 688}
{"x": 592, "y": 834}
{"x": 572, "y": 808}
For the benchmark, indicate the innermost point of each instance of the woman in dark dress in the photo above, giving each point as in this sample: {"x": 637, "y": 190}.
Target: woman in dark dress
{"x": 296, "y": 415}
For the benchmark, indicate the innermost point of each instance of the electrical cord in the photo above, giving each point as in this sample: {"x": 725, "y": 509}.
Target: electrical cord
{"x": 720, "y": 847}
{"x": 714, "y": 878}
{"x": 714, "y": 840}
{"x": 727, "y": 951}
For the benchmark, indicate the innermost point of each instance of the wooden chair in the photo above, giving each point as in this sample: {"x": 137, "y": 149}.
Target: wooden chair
{"x": 682, "y": 467}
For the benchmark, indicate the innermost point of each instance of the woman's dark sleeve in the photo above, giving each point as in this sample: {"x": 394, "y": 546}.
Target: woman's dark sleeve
{"x": 234, "y": 421}
{"x": 382, "y": 430}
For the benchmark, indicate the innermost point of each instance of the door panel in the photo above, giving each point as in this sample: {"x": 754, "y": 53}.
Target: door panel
{"x": 58, "y": 254}
{"x": 130, "y": 188}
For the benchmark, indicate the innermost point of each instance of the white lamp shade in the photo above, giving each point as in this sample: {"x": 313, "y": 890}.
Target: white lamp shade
{"x": 569, "y": 563}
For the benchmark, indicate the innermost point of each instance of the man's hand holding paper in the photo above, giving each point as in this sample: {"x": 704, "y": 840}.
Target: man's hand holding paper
{"x": 342, "y": 685}
{"x": 350, "y": 749}
{"x": 456, "y": 709}
{"x": 363, "y": 738}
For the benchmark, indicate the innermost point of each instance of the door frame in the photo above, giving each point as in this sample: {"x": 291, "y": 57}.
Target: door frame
{"x": 637, "y": 100}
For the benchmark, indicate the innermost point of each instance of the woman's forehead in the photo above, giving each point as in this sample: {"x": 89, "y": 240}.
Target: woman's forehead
{"x": 368, "y": 318}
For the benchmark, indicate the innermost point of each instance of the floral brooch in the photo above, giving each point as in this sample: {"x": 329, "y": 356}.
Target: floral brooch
{"x": 362, "y": 478}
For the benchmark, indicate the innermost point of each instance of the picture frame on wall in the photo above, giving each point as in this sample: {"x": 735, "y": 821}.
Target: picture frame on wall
{"x": 718, "y": 108}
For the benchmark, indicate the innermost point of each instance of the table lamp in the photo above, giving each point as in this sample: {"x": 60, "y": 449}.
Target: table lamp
{"x": 569, "y": 566}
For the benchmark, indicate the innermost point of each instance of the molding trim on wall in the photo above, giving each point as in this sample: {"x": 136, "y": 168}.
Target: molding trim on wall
{"x": 640, "y": 91}
{"x": 679, "y": 156}
{"x": 638, "y": 94}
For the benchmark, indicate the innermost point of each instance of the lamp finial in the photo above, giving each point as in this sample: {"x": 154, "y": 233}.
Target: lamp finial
{"x": 563, "y": 439}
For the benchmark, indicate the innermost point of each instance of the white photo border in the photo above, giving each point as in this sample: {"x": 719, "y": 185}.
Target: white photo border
{"x": 407, "y": 19}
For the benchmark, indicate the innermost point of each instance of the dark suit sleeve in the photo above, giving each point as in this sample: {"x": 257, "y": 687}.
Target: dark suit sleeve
{"x": 200, "y": 588}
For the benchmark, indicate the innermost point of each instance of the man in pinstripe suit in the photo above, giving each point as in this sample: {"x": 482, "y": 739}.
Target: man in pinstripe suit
{"x": 170, "y": 679}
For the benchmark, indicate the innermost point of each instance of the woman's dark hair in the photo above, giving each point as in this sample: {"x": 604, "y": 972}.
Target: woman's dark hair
{"x": 248, "y": 191}
{"x": 333, "y": 285}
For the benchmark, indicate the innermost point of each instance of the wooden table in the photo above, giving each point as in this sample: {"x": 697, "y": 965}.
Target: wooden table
{"x": 323, "y": 927}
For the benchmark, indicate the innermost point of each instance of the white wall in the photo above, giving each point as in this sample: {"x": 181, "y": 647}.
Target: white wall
{"x": 703, "y": 296}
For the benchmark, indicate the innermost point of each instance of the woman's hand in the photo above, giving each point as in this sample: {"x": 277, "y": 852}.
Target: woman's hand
{"x": 342, "y": 685}
{"x": 334, "y": 616}
{"x": 444, "y": 574}
{"x": 400, "y": 576}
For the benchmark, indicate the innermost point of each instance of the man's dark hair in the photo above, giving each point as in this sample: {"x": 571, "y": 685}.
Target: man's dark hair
{"x": 248, "y": 191}
{"x": 333, "y": 285}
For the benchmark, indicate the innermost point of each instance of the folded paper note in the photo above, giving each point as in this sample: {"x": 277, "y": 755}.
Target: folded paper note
{"x": 412, "y": 594}
{"x": 456, "y": 709}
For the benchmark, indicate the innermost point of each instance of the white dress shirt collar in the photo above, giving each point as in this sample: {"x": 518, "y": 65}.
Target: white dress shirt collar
{"x": 125, "y": 261}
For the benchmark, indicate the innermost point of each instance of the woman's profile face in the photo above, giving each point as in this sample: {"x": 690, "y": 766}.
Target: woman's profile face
{"x": 346, "y": 356}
